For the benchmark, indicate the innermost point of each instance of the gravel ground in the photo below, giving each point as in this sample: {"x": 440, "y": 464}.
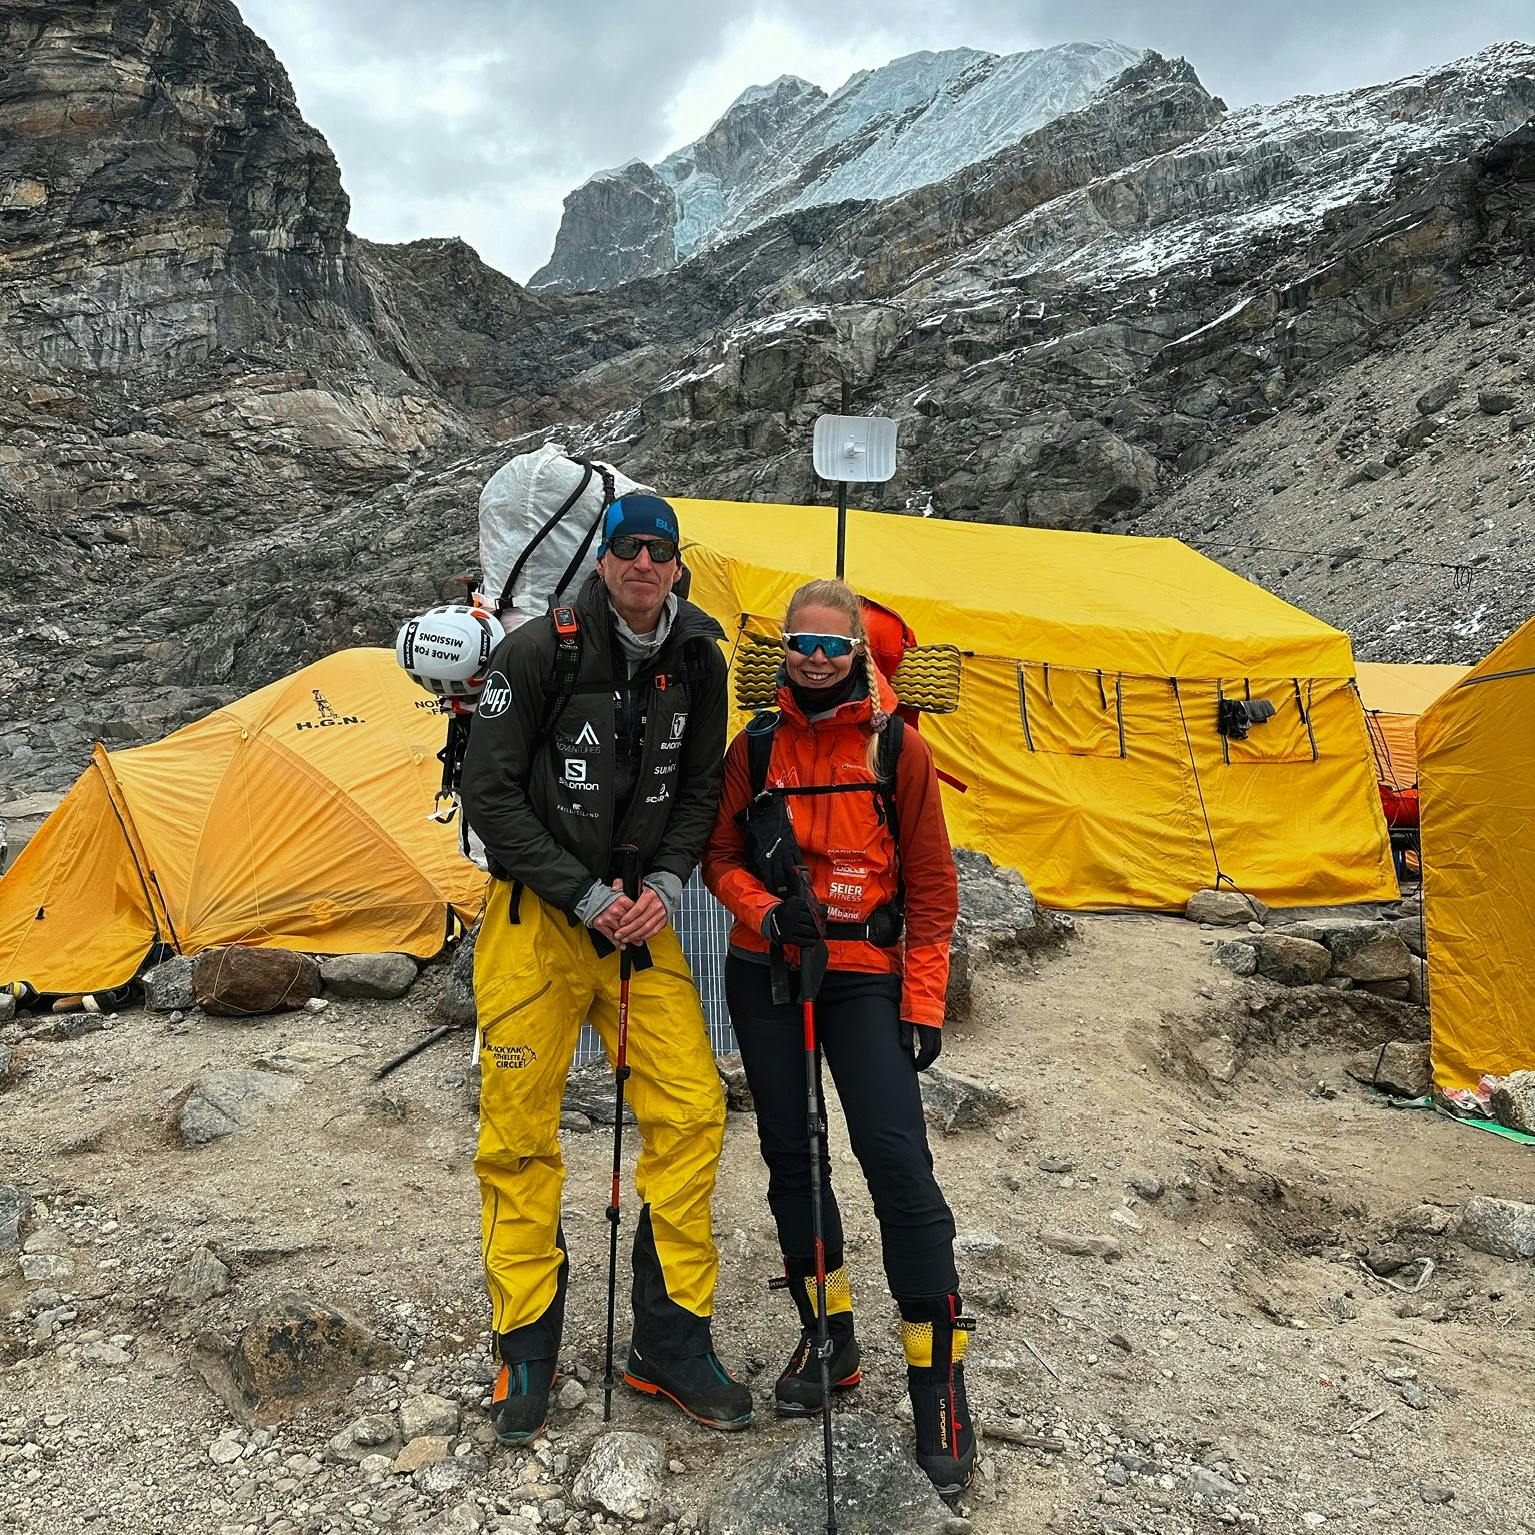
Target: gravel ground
{"x": 1218, "y": 1357}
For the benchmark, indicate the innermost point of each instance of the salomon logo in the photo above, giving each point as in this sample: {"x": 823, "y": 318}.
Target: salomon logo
{"x": 575, "y": 769}
{"x": 679, "y": 724}
{"x": 497, "y": 697}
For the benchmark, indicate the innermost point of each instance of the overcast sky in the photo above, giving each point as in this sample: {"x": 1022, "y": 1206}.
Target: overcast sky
{"x": 476, "y": 117}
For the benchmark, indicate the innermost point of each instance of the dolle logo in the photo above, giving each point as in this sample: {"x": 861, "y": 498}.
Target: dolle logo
{"x": 325, "y": 715}
{"x": 496, "y": 699}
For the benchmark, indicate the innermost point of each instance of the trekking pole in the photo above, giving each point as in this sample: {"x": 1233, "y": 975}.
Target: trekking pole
{"x": 812, "y": 967}
{"x": 817, "y": 1124}
{"x": 629, "y": 866}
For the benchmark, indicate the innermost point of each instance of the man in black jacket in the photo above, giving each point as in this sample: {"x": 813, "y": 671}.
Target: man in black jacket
{"x": 601, "y": 726}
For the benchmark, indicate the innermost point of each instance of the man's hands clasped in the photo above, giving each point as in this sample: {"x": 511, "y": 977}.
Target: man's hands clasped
{"x": 623, "y": 921}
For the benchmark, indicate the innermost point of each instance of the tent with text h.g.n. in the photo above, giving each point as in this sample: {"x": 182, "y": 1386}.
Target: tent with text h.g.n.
{"x": 1476, "y": 771}
{"x": 295, "y": 817}
{"x": 1093, "y": 672}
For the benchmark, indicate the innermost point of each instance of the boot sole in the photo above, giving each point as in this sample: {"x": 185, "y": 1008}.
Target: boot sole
{"x": 804, "y": 1410}
{"x": 724, "y": 1425}
{"x": 521, "y": 1436}
{"x": 949, "y": 1489}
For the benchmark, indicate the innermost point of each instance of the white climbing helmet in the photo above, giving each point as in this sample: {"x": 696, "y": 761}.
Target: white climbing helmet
{"x": 447, "y": 649}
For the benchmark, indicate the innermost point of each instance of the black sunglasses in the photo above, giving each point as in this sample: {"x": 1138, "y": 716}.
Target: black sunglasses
{"x": 627, "y": 546}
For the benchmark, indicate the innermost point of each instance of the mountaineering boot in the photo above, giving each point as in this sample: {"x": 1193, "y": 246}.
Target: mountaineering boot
{"x": 934, "y": 1337}
{"x": 519, "y": 1402}
{"x": 798, "y": 1392}
{"x": 699, "y": 1384}
{"x": 519, "y": 1405}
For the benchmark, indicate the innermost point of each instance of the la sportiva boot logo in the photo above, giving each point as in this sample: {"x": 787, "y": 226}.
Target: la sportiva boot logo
{"x": 325, "y": 715}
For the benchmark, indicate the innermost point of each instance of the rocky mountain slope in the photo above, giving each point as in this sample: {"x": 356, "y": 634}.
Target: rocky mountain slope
{"x": 236, "y": 436}
{"x": 789, "y": 145}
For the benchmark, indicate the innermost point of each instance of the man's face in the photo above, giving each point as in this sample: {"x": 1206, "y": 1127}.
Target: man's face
{"x": 639, "y": 586}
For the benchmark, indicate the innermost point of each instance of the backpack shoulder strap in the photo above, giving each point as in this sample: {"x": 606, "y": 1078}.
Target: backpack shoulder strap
{"x": 886, "y": 765}
{"x": 695, "y": 660}
{"x": 562, "y": 677}
{"x": 759, "y": 748}
{"x": 609, "y": 496}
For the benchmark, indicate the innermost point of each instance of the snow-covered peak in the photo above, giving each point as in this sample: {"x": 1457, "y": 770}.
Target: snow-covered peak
{"x": 784, "y": 85}
{"x": 897, "y": 87}
{"x": 785, "y": 145}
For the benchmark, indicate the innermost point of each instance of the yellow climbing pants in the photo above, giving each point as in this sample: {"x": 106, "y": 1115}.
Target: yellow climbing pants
{"x": 535, "y": 980}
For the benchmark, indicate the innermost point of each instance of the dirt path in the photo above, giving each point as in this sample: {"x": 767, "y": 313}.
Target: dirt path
{"x": 1234, "y": 1343}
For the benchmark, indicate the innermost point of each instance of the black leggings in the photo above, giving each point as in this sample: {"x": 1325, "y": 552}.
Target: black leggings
{"x": 857, "y": 1021}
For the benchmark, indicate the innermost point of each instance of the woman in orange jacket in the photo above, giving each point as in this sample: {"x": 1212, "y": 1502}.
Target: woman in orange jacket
{"x": 803, "y": 789}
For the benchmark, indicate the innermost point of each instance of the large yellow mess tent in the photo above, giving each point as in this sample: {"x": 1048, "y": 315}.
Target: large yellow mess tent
{"x": 295, "y": 817}
{"x": 1476, "y": 773}
{"x": 1394, "y": 697}
{"x": 1093, "y": 671}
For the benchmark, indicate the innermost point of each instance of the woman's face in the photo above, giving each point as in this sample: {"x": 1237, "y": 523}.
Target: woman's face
{"x": 819, "y": 670}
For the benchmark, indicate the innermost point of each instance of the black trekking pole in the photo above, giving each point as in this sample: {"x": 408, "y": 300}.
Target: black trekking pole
{"x": 629, "y": 865}
{"x": 812, "y": 967}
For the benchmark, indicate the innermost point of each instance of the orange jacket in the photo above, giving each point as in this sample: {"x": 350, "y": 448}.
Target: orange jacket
{"x": 849, "y": 853}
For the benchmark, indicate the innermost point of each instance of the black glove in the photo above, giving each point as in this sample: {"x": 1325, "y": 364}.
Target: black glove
{"x": 793, "y": 921}
{"x": 922, "y": 1042}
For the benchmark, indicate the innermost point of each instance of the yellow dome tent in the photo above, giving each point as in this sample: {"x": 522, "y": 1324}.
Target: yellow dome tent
{"x": 1476, "y": 773}
{"x": 1093, "y": 671}
{"x": 295, "y": 817}
{"x": 1394, "y": 697}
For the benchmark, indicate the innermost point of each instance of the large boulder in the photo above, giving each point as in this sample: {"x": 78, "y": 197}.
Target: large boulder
{"x": 243, "y": 983}
{"x": 955, "y": 1102}
{"x": 1277, "y": 957}
{"x": 878, "y": 1487}
{"x": 380, "y": 976}
{"x": 1513, "y": 1101}
{"x": 456, "y": 1004}
{"x": 299, "y": 1347}
{"x": 1224, "y": 908}
{"x": 1410, "y": 931}
{"x": 622, "y": 1475}
{"x": 1361, "y": 950}
{"x": 224, "y": 1100}
{"x": 1503, "y": 1227}
{"x": 997, "y": 913}
{"x": 168, "y": 988}
{"x": 1401, "y": 1068}
{"x": 589, "y": 1090}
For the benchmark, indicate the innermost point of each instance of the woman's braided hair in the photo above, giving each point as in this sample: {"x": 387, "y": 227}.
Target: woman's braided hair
{"x": 839, "y": 596}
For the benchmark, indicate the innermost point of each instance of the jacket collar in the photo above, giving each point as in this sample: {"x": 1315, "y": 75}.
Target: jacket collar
{"x": 856, "y": 711}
